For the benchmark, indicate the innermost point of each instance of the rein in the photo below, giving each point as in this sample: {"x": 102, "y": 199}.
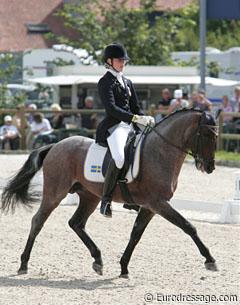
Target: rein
{"x": 169, "y": 142}
{"x": 195, "y": 155}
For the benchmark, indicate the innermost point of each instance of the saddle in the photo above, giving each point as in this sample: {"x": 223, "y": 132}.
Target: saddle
{"x": 98, "y": 157}
{"x": 129, "y": 151}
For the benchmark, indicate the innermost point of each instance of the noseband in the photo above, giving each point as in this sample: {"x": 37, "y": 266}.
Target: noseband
{"x": 197, "y": 152}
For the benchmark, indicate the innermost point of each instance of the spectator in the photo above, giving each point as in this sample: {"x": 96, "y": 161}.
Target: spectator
{"x": 235, "y": 100}
{"x": 30, "y": 115}
{"x": 40, "y": 125}
{"x": 194, "y": 99}
{"x": 178, "y": 102}
{"x": 226, "y": 107}
{"x": 163, "y": 104}
{"x": 228, "y": 125}
{"x": 44, "y": 96}
{"x": 165, "y": 100}
{"x": 88, "y": 119}
{"x": 185, "y": 95}
{"x": 40, "y": 128}
{"x": 158, "y": 117}
{"x": 57, "y": 118}
{"x": 199, "y": 101}
{"x": 16, "y": 120}
{"x": 9, "y": 134}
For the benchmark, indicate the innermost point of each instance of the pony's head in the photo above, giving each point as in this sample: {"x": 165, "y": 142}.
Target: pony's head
{"x": 204, "y": 144}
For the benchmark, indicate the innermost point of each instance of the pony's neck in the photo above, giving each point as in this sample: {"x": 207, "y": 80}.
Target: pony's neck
{"x": 163, "y": 159}
{"x": 179, "y": 128}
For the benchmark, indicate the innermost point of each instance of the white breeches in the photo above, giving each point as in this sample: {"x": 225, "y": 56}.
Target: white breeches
{"x": 116, "y": 142}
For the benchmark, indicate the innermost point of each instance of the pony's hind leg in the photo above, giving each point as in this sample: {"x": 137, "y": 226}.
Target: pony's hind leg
{"x": 87, "y": 205}
{"x": 52, "y": 196}
{"x": 166, "y": 211}
{"x": 38, "y": 221}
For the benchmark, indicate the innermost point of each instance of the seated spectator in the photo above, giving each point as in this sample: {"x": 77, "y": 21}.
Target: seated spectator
{"x": 229, "y": 124}
{"x": 165, "y": 100}
{"x": 40, "y": 128}
{"x": 235, "y": 100}
{"x": 158, "y": 117}
{"x": 57, "y": 118}
{"x": 16, "y": 120}
{"x": 29, "y": 117}
{"x": 40, "y": 125}
{"x": 185, "y": 95}
{"x": 30, "y": 114}
{"x": 88, "y": 120}
{"x": 178, "y": 102}
{"x": 163, "y": 104}
{"x": 226, "y": 107}
{"x": 194, "y": 99}
{"x": 9, "y": 134}
{"x": 199, "y": 101}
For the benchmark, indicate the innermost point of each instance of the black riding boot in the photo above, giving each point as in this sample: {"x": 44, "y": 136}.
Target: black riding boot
{"x": 110, "y": 182}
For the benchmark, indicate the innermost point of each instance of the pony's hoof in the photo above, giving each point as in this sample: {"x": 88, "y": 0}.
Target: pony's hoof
{"x": 211, "y": 266}
{"x": 97, "y": 268}
{"x": 22, "y": 271}
{"x": 124, "y": 276}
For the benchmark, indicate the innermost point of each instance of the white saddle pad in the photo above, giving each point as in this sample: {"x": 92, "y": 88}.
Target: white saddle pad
{"x": 94, "y": 161}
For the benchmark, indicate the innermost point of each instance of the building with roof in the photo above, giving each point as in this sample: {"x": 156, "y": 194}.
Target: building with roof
{"x": 73, "y": 83}
{"x": 23, "y": 23}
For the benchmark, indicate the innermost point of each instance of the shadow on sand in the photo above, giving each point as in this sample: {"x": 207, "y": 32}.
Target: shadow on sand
{"x": 84, "y": 284}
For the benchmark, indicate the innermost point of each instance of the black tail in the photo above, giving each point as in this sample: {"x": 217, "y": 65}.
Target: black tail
{"x": 17, "y": 189}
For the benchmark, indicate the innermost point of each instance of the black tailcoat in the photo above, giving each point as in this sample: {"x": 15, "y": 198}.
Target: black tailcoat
{"x": 120, "y": 103}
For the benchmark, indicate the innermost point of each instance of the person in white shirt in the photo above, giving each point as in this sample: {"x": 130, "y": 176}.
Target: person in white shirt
{"x": 235, "y": 100}
{"x": 40, "y": 126}
{"x": 178, "y": 102}
{"x": 9, "y": 134}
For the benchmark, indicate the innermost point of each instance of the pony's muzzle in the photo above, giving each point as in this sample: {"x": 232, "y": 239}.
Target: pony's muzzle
{"x": 209, "y": 166}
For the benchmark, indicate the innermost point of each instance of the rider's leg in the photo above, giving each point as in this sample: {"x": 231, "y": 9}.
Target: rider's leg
{"x": 116, "y": 142}
{"x": 109, "y": 185}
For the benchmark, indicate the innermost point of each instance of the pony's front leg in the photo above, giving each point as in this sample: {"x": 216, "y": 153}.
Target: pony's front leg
{"x": 165, "y": 210}
{"x": 87, "y": 205}
{"x": 140, "y": 224}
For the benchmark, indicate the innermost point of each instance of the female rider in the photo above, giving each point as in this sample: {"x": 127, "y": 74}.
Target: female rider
{"x": 122, "y": 109}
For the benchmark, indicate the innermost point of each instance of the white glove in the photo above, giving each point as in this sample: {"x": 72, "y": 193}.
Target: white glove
{"x": 143, "y": 120}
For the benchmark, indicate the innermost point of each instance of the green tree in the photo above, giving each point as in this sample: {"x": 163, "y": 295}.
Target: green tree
{"x": 98, "y": 23}
{"x": 11, "y": 68}
{"x": 8, "y": 68}
{"x": 221, "y": 34}
{"x": 148, "y": 39}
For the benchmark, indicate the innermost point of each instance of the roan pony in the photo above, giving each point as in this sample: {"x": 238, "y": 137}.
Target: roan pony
{"x": 165, "y": 148}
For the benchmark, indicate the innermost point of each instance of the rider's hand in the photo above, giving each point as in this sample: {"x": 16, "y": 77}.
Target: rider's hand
{"x": 144, "y": 120}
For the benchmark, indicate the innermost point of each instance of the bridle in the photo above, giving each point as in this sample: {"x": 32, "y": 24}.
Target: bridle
{"x": 197, "y": 151}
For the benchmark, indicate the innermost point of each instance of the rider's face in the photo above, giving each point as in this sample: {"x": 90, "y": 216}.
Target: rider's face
{"x": 118, "y": 64}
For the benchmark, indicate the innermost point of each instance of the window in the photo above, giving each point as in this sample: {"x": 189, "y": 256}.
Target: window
{"x": 38, "y": 28}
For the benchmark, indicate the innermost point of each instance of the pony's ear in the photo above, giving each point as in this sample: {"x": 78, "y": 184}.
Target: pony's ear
{"x": 203, "y": 118}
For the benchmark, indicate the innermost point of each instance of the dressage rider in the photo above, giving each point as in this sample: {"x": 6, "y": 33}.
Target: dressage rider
{"x": 122, "y": 109}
